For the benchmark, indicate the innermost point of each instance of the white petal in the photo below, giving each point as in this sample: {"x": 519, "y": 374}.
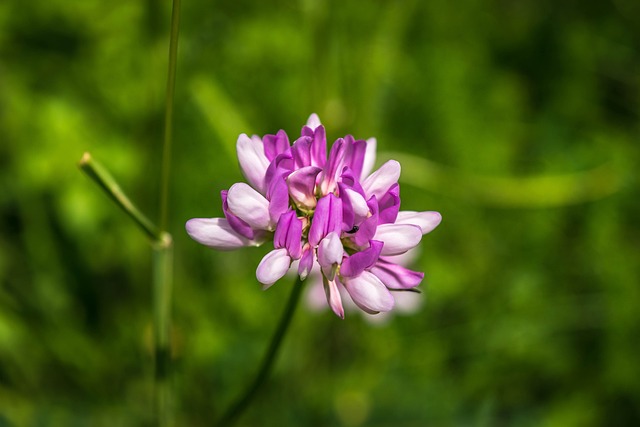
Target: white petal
{"x": 330, "y": 250}
{"x": 359, "y": 205}
{"x": 314, "y": 121}
{"x": 379, "y": 182}
{"x": 369, "y": 158}
{"x": 427, "y": 220}
{"x": 216, "y": 233}
{"x": 249, "y": 205}
{"x": 333, "y": 297}
{"x": 369, "y": 293}
{"x": 398, "y": 238}
{"x": 273, "y": 267}
{"x": 253, "y": 161}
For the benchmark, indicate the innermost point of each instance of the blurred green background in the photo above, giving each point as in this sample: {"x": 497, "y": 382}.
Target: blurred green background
{"x": 517, "y": 120}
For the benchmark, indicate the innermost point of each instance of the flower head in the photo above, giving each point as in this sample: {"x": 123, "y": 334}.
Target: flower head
{"x": 320, "y": 210}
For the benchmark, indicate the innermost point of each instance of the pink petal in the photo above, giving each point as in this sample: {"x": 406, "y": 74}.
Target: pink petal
{"x": 278, "y": 195}
{"x": 249, "y": 205}
{"x": 395, "y": 276}
{"x": 302, "y": 183}
{"x": 306, "y": 261}
{"x": 326, "y": 218}
{"x": 379, "y": 182}
{"x": 358, "y": 204}
{"x": 216, "y": 233}
{"x": 333, "y": 296}
{"x": 369, "y": 293}
{"x": 369, "y": 158}
{"x": 289, "y": 234}
{"x": 275, "y": 144}
{"x": 398, "y": 238}
{"x": 273, "y": 267}
{"x": 253, "y": 161}
{"x": 427, "y": 220}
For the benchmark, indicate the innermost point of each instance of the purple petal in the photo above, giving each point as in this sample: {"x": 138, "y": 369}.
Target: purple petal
{"x": 319, "y": 147}
{"x": 326, "y": 218}
{"x": 216, "y": 233}
{"x": 389, "y": 205}
{"x": 354, "y": 207}
{"x": 339, "y": 151}
{"x": 369, "y": 293}
{"x": 427, "y": 220}
{"x": 356, "y": 160}
{"x": 301, "y": 151}
{"x": 369, "y": 158}
{"x": 330, "y": 253}
{"x": 236, "y": 223}
{"x": 275, "y": 144}
{"x": 379, "y": 182}
{"x": 278, "y": 199}
{"x": 395, "y": 276}
{"x": 282, "y": 165}
{"x": 249, "y": 205}
{"x": 302, "y": 186}
{"x": 289, "y": 234}
{"x": 355, "y": 264}
{"x": 253, "y": 161}
{"x": 368, "y": 227}
{"x": 398, "y": 238}
{"x": 333, "y": 296}
{"x": 273, "y": 267}
{"x": 306, "y": 261}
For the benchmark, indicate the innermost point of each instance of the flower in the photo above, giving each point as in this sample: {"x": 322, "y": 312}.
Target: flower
{"x": 320, "y": 210}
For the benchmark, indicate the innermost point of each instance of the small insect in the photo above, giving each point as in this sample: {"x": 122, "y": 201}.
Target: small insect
{"x": 353, "y": 230}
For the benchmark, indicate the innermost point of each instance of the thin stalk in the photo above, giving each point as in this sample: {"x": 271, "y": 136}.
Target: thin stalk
{"x": 103, "y": 178}
{"x": 239, "y": 406}
{"x": 162, "y": 291}
{"x": 168, "y": 114}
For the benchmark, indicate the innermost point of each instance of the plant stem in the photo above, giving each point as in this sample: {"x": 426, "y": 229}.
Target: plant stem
{"x": 104, "y": 179}
{"x": 162, "y": 290}
{"x": 238, "y": 407}
{"x": 168, "y": 114}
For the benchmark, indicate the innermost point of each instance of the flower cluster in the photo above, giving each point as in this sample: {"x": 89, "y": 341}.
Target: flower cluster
{"x": 328, "y": 210}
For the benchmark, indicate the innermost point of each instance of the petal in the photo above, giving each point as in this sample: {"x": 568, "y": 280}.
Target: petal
{"x": 301, "y": 151}
{"x": 354, "y": 207}
{"x": 253, "y": 161}
{"x": 369, "y": 293}
{"x": 355, "y": 264}
{"x": 395, "y": 276}
{"x": 278, "y": 195}
{"x": 275, "y": 144}
{"x": 249, "y": 205}
{"x": 398, "y": 238}
{"x": 302, "y": 186}
{"x": 333, "y": 296}
{"x": 326, "y": 218}
{"x": 314, "y": 121}
{"x": 216, "y": 233}
{"x": 330, "y": 250}
{"x": 379, "y": 182}
{"x": 236, "y": 223}
{"x": 339, "y": 152}
{"x": 427, "y": 220}
{"x": 389, "y": 205}
{"x": 288, "y": 234}
{"x": 273, "y": 267}
{"x": 356, "y": 159}
{"x": 319, "y": 147}
{"x": 368, "y": 227}
{"x": 306, "y": 261}
{"x": 369, "y": 158}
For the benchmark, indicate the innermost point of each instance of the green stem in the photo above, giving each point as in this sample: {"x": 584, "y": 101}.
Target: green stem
{"x": 168, "y": 114}
{"x": 162, "y": 290}
{"x": 238, "y": 407}
{"x": 104, "y": 179}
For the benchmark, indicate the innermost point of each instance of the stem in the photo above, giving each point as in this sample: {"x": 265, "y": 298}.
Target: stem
{"x": 162, "y": 287}
{"x": 104, "y": 179}
{"x": 168, "y": 114}
{"x": 238, "y": 407}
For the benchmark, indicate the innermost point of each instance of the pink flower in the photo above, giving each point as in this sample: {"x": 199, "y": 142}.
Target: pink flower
{"x": 324, "y": 210}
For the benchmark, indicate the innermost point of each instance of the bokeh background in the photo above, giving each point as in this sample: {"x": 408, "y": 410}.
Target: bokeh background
{"x": 517, "y": 120}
